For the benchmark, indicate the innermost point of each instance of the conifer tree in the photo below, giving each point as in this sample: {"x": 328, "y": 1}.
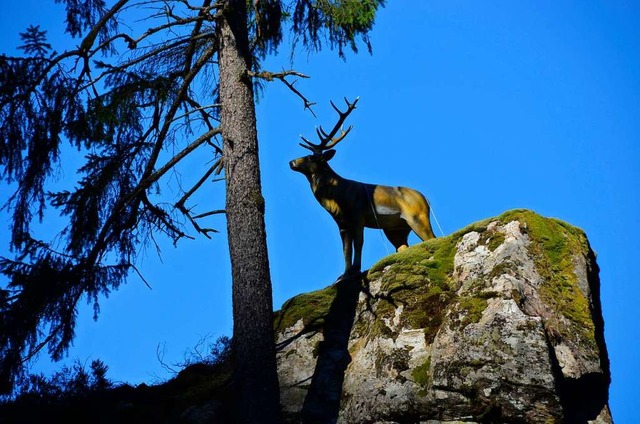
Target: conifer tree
{"x": 135, "y": 100}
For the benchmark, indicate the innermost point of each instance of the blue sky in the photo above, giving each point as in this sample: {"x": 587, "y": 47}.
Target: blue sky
{"x": 482, "y": 106}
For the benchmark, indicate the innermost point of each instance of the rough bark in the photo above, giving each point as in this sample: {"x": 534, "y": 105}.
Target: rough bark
{"x": 256, "y": 381}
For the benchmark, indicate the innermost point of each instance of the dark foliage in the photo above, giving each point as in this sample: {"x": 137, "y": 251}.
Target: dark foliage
{"x": 79, "y": 393}
{"x": 35, "y": 42}
{"x": 70, "y": 383}
{"x": 349, "y": 20}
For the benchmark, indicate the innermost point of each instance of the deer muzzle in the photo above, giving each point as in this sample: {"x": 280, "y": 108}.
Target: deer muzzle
{"x": 295, "y": 165}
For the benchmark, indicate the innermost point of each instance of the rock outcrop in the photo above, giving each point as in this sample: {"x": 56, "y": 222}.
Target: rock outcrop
{"x": 499, "y": 322}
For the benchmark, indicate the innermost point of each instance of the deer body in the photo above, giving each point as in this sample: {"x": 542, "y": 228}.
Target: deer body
{"x": 354, "y": 205}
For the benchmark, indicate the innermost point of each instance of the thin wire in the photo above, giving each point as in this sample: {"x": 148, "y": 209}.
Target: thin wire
{"x": 435, "y": 217}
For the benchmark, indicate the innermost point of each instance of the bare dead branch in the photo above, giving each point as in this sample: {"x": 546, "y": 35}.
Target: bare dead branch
{"x": 282, "y": 76}
{"x": 88, "y": 41}
{"x": 218, "y": 166}
{"x": 164, "y": 130}
{"x": 180, "y": 204}
{"x": 216, "y": 212}
{"x": 164, "y": 219}
{"x": 204, "y": 231}
{"x": 144, "y": 280}
{"x": 207, "y": 8}
{"x": 160, "y": 353}
{"x": 177, "y": 158}
{"x": 201, "y": 110}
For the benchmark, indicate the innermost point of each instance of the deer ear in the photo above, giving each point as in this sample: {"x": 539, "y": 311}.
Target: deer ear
{"x": 326, "y": 156}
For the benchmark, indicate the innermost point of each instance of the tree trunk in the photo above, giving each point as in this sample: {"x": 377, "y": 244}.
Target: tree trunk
{"x": 256, "y": 381}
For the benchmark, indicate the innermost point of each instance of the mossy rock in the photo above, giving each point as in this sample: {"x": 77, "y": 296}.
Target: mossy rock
{"x": 496, "y": 326}
{"x": 555, "y": 245}
{"x": 420, "y": 279}
{"x": 312, "y": 308}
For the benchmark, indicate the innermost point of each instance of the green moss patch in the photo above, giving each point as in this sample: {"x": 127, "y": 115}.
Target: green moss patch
{"x": 471, "y": 309}
{"x": 555, "y": 245}
{"x": 312, "y": 308}
{"x": 491, "y": 239}
{"x": 422, "y": 377}
{"x": 419, "y": 279}
{"x": 432, "y": 260}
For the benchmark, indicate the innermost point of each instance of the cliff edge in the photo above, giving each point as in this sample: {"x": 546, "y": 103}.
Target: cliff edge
{"x": 498, "y": 322}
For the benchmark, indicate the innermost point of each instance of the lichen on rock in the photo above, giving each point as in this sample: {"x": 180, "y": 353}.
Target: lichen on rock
{"x": 499, "y": 322}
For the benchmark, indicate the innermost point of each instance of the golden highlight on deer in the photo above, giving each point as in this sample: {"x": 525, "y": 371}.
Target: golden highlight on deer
{"x": 354, "y": 205}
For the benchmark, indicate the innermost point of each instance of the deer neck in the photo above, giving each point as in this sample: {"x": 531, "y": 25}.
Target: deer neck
{"x": 324, "y": 181}
{"x": 326, "y": 186}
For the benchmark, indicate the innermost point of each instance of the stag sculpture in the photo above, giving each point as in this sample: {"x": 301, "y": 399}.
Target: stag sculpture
{"x": 354, "y": 205}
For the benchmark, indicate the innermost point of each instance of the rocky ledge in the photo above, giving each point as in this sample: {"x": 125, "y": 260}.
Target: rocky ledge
{"x": 498, "y": 322}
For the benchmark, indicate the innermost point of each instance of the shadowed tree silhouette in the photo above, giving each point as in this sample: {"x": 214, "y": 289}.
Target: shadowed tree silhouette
{"x": 322, "y": 403}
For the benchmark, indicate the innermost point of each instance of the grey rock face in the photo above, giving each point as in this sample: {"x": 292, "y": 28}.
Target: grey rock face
{"x": 499, "y": 322}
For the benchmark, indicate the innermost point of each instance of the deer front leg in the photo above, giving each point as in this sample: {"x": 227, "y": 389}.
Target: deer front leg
{"x": 358, "y": 241}
{"x": 352, "y": 238}
{"x": 347, "y": 250}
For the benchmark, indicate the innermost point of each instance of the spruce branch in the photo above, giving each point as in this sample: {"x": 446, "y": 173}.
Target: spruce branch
{"x": 88, "y": 41}
{"x": 168, "y": 119}
{"x": 148, "y": 181}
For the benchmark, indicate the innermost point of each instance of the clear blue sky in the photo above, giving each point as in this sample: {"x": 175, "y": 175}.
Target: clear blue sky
{"x": 482, "y": 106}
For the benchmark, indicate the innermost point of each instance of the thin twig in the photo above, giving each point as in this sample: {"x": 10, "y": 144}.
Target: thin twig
{"x": 216, "y": 212}
{"x": 182, "y": 201}
{"x": 171, "y": 229}
{"x": 181, "y": 207}
{"x": 282, "y": 76}
{"x": 144, "y": 280}
{"x": 33, "y": 352}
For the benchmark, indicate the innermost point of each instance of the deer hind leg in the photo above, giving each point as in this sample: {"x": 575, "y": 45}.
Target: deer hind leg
{"x": 398, "y": 237}
{"x": 421, "y": 225}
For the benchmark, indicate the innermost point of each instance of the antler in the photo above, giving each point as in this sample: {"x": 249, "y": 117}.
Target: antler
{"x": 328, "y": 140}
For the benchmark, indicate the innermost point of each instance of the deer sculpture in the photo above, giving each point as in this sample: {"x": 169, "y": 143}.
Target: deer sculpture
{"x": 354, "y": 205}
